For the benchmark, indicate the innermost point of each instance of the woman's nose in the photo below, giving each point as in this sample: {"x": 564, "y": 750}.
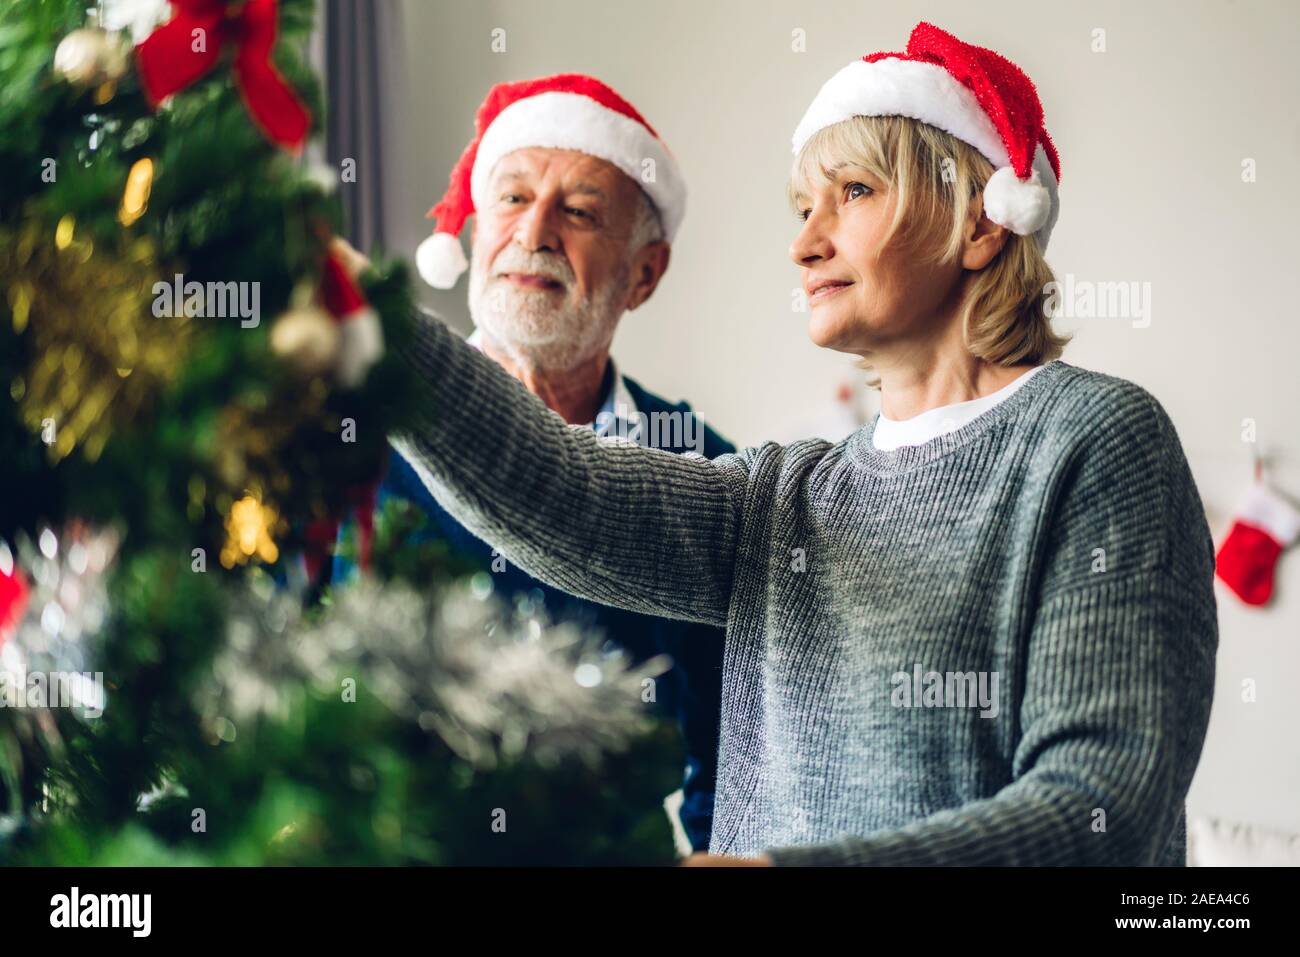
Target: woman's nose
{"x": 812, "y": 244}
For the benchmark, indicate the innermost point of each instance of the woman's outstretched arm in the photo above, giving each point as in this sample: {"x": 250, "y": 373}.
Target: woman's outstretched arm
{"x": 603, "y": 519}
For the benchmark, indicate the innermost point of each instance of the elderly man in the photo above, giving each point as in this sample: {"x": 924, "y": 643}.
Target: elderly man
{"x": 575, "y": 202}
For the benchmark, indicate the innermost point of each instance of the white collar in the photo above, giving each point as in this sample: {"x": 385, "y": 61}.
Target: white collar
{"x": 891, "y": 434}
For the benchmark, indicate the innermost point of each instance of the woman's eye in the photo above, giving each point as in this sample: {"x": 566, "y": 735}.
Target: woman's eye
{"x": 804, "y": 214}
{"x": 856, "y": 190}
{"x": 582, "y": 213}
{"x": 512, "y": 198}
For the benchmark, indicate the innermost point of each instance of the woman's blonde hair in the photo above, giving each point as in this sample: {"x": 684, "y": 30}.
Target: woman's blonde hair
{"x": 1003, "y": 317}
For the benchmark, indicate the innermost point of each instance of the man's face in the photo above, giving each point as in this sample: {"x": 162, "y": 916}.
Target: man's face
{"x": 551, "y": 268}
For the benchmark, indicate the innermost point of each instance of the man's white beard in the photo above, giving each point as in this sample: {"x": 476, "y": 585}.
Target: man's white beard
{"x": 536, "y": 327}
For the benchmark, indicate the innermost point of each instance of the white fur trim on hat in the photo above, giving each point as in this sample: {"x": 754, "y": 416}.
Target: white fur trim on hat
{"x": 893, "y": 87}
{"x": 571, "y": 121}
{"x": 440, "y": 260}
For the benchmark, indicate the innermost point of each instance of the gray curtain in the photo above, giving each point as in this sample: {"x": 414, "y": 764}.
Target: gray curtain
{"x": 358, "y": 50}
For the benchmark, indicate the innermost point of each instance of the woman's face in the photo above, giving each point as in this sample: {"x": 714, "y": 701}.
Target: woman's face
{"x": 863, "y": 298}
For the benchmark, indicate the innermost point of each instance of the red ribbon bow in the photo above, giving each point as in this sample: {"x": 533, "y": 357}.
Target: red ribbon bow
{"x": 169, "y": 61}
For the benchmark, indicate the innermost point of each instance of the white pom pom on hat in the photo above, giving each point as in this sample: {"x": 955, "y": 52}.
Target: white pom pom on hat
{"x": 1022, "y": 206}
{"x": 440, "y": 260}
{"x": 972, "y": 93}
{"x": 569, "y": 111}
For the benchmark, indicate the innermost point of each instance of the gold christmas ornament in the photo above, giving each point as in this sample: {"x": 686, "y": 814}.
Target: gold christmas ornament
{"x": 255, "y": 435}
{"x": 307, "y": 338}
{"x": 90, "y": 56}
{"x": 98, "y": 355}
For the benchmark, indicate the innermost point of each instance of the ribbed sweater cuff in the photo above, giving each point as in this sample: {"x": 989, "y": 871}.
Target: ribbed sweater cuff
{"x": 821, "y": 855}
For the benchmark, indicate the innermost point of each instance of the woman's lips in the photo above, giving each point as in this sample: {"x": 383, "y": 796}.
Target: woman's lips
{"x": 827, "y": 290}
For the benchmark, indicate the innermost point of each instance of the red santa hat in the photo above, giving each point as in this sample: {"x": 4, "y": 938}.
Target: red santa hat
{"x": 361, "y": 335}
{"x": 569, "y": 111}
{"x": 974, "y": 94}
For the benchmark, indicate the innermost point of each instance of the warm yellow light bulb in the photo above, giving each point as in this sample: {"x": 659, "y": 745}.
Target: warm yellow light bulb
{"x": 135, "y": 197}
{"x": 63, "y": 232}
{"x": 248, "y": 533}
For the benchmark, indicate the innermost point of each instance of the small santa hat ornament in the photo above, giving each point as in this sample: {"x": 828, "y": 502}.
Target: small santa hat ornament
{"x": 361, "y": 339}
{"x": 972, "y": 93}
{"x": 569, "y": 111}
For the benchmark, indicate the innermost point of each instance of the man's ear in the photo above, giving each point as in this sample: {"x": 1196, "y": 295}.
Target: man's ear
{"x": 648, "y": 267}
{"x": 984, "y": 238}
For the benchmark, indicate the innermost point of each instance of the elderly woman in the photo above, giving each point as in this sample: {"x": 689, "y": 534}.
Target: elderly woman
{"x": 980, "y": 630}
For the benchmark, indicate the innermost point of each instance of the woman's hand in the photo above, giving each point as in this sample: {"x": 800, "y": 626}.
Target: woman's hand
{"x": 717, "y": 860}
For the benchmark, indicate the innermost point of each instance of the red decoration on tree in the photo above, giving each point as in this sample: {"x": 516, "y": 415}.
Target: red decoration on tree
{"x": 318, "y": 545}
{"x": 361, "y": 345}
{"x": 320, "y": 536}
{"x": 189, "y": 45}
{"x": 13, "y": 600}
{"x": 362, "y": 335}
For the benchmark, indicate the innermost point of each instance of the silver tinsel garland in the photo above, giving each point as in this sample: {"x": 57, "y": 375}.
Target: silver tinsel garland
{"x": 66, "y": 606}
{"x": 492, "y": 682}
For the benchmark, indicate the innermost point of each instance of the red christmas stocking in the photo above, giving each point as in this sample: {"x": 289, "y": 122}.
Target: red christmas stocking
{"x": 1265, "y": 524}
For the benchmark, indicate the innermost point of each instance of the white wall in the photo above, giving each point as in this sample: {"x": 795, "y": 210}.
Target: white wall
{"x": 1152, "y": 135}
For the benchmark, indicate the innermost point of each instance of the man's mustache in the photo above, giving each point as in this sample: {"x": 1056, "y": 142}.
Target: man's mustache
{"x": 547, "y": 265}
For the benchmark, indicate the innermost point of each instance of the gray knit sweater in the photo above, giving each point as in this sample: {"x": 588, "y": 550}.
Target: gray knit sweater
{"x": 993, "y": 648}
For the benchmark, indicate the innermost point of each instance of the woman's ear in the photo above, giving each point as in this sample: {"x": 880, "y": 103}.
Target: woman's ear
{"x": 984, "y": 238}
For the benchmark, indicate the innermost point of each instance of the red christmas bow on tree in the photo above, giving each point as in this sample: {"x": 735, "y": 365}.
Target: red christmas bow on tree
{"x": 169, "y": 61}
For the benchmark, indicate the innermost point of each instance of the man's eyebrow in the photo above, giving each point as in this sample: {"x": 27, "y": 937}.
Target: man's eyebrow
{"x": 509, "y": 175}
{"x": 589, "y": 189}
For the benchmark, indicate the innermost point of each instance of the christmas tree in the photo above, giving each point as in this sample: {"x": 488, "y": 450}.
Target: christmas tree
{"x": 197, "y": 390}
